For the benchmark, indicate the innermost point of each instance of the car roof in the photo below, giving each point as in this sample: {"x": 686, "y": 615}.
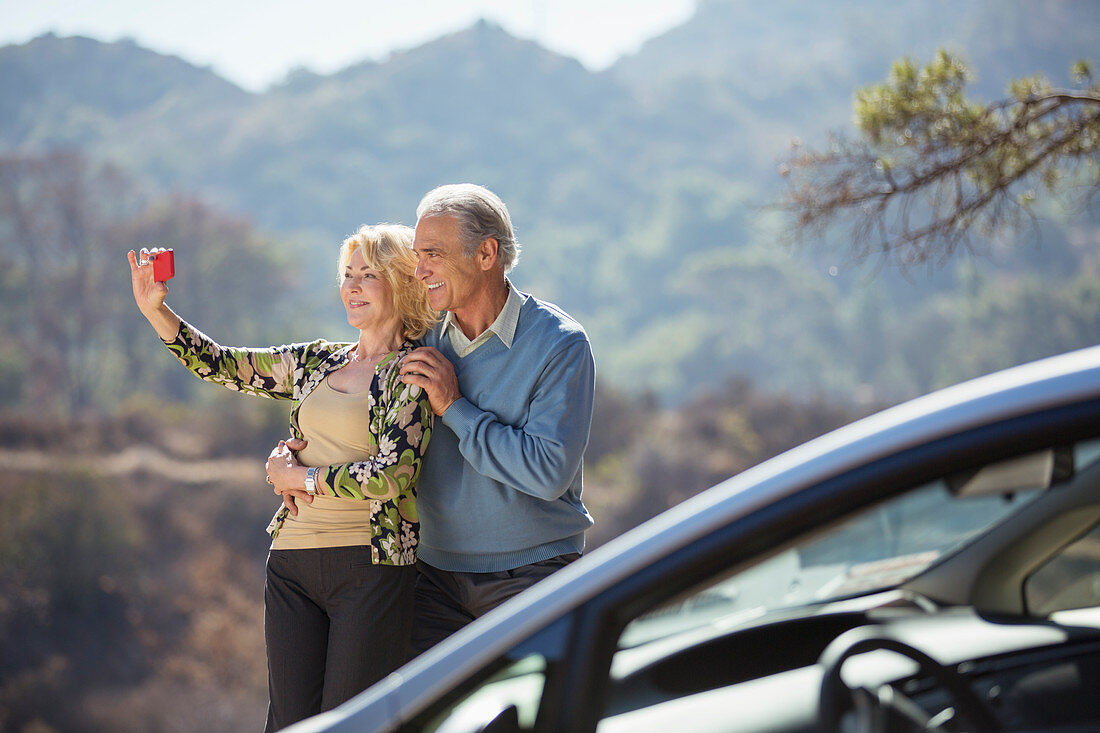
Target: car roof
{"x": 1049, "y": 383}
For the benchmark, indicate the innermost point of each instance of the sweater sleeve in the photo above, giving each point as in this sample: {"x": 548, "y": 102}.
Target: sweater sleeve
{"x": 543, "y": 457}
{"x": 401, "y": 419}
{"x": 274, "y": 372}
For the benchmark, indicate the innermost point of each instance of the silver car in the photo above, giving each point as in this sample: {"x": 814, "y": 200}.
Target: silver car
{"x": 933, "y": 567}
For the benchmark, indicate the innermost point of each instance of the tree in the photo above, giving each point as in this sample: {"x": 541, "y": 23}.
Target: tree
{"x": 57, "y": 216}
{"x": 930, "y": 167}
{"x": 71, "y": 339}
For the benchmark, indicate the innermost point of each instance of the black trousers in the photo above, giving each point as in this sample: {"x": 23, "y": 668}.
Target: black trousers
{"x": 334, "y": 624}
{"x": 446, "y": 601}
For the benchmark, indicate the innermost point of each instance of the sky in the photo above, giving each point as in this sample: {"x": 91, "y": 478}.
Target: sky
{"x": 254, "y": 43}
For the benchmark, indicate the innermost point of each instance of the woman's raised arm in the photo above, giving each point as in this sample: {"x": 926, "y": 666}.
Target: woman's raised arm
{"x": 149, "y": 296}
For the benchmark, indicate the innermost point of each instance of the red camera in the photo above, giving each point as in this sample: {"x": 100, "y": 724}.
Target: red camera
{"x": 164, "y": 265}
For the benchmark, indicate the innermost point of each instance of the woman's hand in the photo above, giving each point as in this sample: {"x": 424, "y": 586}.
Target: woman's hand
{"x": 286, "y": 475}
{"x": 149, "y": 295}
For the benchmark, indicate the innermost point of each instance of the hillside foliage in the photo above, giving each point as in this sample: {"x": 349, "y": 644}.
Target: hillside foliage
{"x": 624, "y": 185}
{"x": 132, "y": 548}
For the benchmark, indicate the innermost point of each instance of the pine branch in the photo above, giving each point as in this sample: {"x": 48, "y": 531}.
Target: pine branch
{"x": 962, "y": 164}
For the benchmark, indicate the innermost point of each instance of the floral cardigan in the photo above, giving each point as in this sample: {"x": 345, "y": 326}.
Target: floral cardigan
{"x": 401, "y": 426}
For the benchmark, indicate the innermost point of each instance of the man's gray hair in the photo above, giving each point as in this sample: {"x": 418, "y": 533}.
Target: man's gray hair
{"x": 480, "y": 214}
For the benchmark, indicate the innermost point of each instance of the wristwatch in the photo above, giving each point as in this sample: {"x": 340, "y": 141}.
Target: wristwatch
{"x": 311, "y": 481}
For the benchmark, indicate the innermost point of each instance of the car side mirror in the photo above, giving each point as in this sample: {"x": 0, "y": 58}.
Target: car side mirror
{"x": 1032, "y": 471}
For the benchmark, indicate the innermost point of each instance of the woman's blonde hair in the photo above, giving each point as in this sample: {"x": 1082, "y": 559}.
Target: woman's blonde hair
{"x": 387, "y": 248}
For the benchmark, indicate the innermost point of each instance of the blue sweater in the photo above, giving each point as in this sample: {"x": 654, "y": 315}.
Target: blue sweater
{"x": 501, "y": 481}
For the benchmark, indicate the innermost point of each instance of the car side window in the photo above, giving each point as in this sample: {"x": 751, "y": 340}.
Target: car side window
{"x": 515, "y": 689}
{"x": 1069, "y": 580}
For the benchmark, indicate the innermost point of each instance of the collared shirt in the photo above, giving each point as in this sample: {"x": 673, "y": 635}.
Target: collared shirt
{"x": 504, "y": 327}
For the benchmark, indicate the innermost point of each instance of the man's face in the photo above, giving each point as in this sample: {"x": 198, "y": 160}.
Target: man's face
{"x": 452, "y": 278}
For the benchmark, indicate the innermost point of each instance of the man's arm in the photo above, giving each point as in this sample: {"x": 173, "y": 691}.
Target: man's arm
{"x": 541, "y": 458}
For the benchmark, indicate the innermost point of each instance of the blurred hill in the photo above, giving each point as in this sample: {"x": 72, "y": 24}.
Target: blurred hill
{"x": 783, "y": 69}
{"x": 637, "y": 192}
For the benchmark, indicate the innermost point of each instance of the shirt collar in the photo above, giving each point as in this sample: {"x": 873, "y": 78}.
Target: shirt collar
{"x": 506, "y": 321}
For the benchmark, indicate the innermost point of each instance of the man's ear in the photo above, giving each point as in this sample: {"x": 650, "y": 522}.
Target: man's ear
{"x": 487, "y": 253}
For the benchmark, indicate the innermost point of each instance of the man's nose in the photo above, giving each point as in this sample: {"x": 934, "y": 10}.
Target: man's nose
{"x": 421, "y": 271}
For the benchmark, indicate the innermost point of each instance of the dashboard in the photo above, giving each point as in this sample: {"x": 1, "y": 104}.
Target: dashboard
{"x": 1029, "y": 674}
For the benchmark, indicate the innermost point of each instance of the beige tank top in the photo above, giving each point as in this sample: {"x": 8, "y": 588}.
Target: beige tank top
{"x": 337, "y": 428}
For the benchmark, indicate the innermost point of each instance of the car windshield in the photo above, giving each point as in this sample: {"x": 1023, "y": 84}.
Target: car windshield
{"x": 876, "y": 550}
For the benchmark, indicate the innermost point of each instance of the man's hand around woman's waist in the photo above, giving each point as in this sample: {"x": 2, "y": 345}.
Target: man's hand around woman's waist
{"x": 286, "y": 475}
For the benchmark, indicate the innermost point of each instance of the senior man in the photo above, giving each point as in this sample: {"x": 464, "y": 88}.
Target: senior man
{"x": 511, "y": 379}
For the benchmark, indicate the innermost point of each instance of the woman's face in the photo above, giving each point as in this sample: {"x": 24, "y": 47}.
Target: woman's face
{"x": 366, "y": 295}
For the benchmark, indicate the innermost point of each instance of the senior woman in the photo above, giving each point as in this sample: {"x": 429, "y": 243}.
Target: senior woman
{"x": 340, "y": 572}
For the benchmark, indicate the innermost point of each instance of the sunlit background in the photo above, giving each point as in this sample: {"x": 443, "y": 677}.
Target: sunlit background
{"x": 639, "y": 146}
{"x": 254, "y": 44}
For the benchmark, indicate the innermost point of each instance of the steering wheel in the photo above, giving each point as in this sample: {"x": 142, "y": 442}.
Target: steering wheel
{"x": 836, "y": 697}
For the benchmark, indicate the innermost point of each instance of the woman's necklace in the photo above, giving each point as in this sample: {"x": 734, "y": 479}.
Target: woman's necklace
{"x": 357, "y": 357}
